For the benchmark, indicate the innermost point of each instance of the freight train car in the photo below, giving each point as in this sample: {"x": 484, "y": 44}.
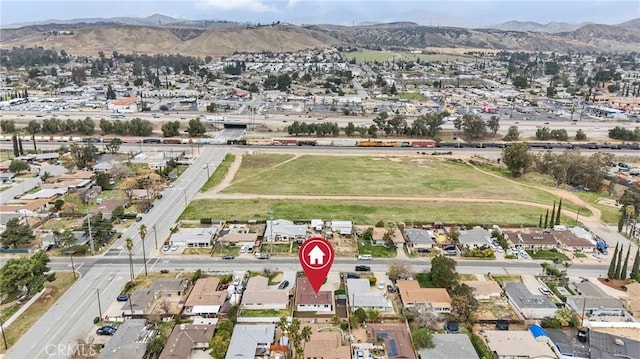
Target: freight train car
{"x": 376, "y": 143}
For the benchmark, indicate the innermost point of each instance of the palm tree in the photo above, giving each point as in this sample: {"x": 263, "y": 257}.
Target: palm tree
{"x": 305, "y": 335}
{"x": 143, "y": 234}
{"x": 129, "y": 245}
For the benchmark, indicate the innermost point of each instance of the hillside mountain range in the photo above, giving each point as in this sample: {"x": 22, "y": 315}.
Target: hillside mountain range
{"x": 219, "y": 38}
{"x": 551, "y": 28}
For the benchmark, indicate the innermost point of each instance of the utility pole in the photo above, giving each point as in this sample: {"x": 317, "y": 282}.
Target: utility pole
{"x": 99, "y": 306}
{"x": 155, "y": 234}
{"x": 90, "y": 234}
{"x": 4, "y": 338}
{"x": 271, "y": 231}
{"x": 73, "y": 267}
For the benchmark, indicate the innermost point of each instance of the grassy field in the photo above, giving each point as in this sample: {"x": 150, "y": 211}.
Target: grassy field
{"x": 365, "y": 212}
{"x": 424, "y": 281}
{"x": 411, "y": 96}
{"x": 376, "y": 251}
{"x": 369, "y": 55}
{"x": 375, "y": 176}
{"x": 220, "y": 172}
{"x": 253, "y": 313}
{"x": 550, "y": 255}
{"x": 55, "y": 289}
{"x": 610, "y": 215}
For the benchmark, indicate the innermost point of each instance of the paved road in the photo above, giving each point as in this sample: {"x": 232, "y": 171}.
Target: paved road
{"x": 29, "y": 183}
{"x": 72, "y": 316}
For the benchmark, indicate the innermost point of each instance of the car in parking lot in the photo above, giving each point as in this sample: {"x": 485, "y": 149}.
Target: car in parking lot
{"x": 284, "y": 284}
{"x": 363, "y": 269}
{"x": 390, "y": 288}
{"x": 423, "y": 250}
{"x": 166, "y": 247}
{"x": 236, "y": 281}
{"x": 123, "y": 298}
{"x": 502, "y": 325}
{"x": 544, "y": 290}
{"x": 174, "y": 248}
{"x": 381, "y": 285}
{"x": 228, "y": 256}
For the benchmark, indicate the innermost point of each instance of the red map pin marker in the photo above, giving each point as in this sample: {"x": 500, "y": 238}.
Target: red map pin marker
{"x": 316, "y": 257}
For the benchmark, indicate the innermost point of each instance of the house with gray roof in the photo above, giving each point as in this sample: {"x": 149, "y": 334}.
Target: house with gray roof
{"x": 129, "y": 341}
{"x": 251, "y": 341}
{"x": 283, "y": 230}
{"x": 420, "y": 238}
{"x": 531, "y": 306}
{"x": 474, "y": 238}
{"x": 361, "y": 295}
{"x": 447, "y": 346}
{"x": 195, "y": 237}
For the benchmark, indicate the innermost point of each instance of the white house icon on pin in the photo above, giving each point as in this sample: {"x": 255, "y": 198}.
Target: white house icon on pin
{"x": 316, "y": 256}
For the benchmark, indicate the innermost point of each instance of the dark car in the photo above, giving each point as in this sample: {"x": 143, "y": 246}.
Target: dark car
{"x": 106, "y": 330}
{"x": 452, "y": 327}
{"x": 363, "y": 268}
{"x": 283, "y": 284}
{"x": 502, "y": 325}
{"x": 353, "y": 276}
{"x": 138, "y": 219}
{"x": 123, "y": 298}
{"x": 228, "y": 256}
{"x": 390, "y": 288}
{"x": 583, "y": 336}
{"x": 424, "y": 250}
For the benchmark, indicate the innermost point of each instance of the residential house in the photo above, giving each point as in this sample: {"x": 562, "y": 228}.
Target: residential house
{"x": 326, "y": 344}
{"x": 420, "y": 238}
{"x": 572, "y": 243}
{"x": 47, "y": 156}
{"x": 361, "y": 295}
{"x": 484, "y": 289}
{"x": 48, "y": 239}
{"x": 532, "y": 241}
{"x": 144, "y": 300}
{"x": 378, "y": 235}
{"x": 307, "y": 300}
{"x": 195, "y": 237}
{"x": 609, "y": 346}
{"x": 595, "y": 303}
{"x": 436, "y": 300}
{"x": 186, "y": 338}
{"x": 282, "y": 230}
{"x": 103, "y": 167}
{"x": 520, "y": 344}
{"x": 344, "y": 228}
{"x": 258, "y": 295}
{"x": 129, "y": 341}
{"x": 48, "y": 194}
{"x": 474, "y": 238}
{"x": 27, "y": 207}
{"x": 396, "y": 339}
{"x": 204, "y": 300}
{"x": 251, "y": 341}
{"x": 124, "y": 105}
{"x": 75, "y": 176}
{"x": 532, "y": 306}
{"x": 237, "y": 234}
{"x": 448, "y": 346}
{"x": 317, "y": 224}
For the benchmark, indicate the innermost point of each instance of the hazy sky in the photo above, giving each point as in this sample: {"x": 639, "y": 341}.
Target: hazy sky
{"x": 469, "y": 13}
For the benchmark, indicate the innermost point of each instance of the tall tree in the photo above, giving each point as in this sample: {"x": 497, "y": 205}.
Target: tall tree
{"x": 546, "y": 219}
{"x": 611, "y": 273}
{"x": 65, "y": 237}
{"x": 623, "y": 271}
{"x": 129, "y": 246}
{"x": 143, "y": 235}
{"x": 16, "y": 233}
{"x": 635, "y": 269}
{"x": 517, "y": 158}
{"x": 540, "y": 222}
{"x": 558, "y": 213}
{"x": 619, "y": 263}
{"x": 443, "y": 272}
{"x": 553, "y": 215}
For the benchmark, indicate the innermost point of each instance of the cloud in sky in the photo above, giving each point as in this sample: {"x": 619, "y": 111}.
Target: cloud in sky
{"x": 249, "y": 5}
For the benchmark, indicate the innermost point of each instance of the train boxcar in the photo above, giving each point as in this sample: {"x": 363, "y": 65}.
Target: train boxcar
{"x": 307, "y": 143}
{"x": 344, "y": 143}
{"x": 151, "y": 140}
{"x": 424, "y": 143}
{"x": 172, "y": 141}
{"x": 376, "y": 143}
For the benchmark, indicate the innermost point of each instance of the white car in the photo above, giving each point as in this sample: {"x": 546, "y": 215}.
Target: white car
{"x": 236, "y": 281}
{"x": 166, "y": 247}
{"x": 381, "y": 285}
{"x": 174, "y": 248}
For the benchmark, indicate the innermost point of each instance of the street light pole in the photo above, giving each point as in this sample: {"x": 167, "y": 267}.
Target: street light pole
{"x": 90, "y": 234}
{"x": 578, "y": 215}
{"x": 271, "y": 231}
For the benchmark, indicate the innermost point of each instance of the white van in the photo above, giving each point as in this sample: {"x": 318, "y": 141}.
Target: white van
{"x": 365, "y": 257}
{"x": 243, "y": 249}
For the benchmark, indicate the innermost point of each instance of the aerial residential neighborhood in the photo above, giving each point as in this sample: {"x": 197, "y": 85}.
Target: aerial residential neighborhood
{"x": 474, "y": 179}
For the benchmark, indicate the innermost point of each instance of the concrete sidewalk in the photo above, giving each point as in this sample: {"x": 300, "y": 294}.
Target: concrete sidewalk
{"x": 22, "y": 309}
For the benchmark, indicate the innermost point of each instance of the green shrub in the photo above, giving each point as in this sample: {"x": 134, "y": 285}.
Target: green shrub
{"x": 372, "y": 281}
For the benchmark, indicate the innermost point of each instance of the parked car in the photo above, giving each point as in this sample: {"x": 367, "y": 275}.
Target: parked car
{"x": 363, "y": 269}
{"x": 390, "y": 288}
{"x": 123, "y": 298}
{"x": 284, "y": 284}
{"x": 452, "y": 327}
{"x": 263, "y": 256}
{"x": 381, "y": 285}
{"x": 228, "y": 256}
{"x": 502, "y": 325}
{"x": 106, "y": 330}
{"x": 365, "y": 257}
{"x": 423, "y": 250}
{"x": 138, "y": 219}
{"x": 174, "y": 248}
{"x": 544, "y": 290}
{"x": 236, "y": 281}
{"x": 166, "y": 247}
{"x": 583, "y": 336}
{"x": 353, "y": 276}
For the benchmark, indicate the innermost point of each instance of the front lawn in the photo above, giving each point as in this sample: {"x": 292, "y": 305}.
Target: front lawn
{"x": 424, "y": 280}
{"x": 253, "y": 313}
{"x": 376, "y": 251}
{"x": 220, "y": 172}
{"x": 551, "y": 255}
